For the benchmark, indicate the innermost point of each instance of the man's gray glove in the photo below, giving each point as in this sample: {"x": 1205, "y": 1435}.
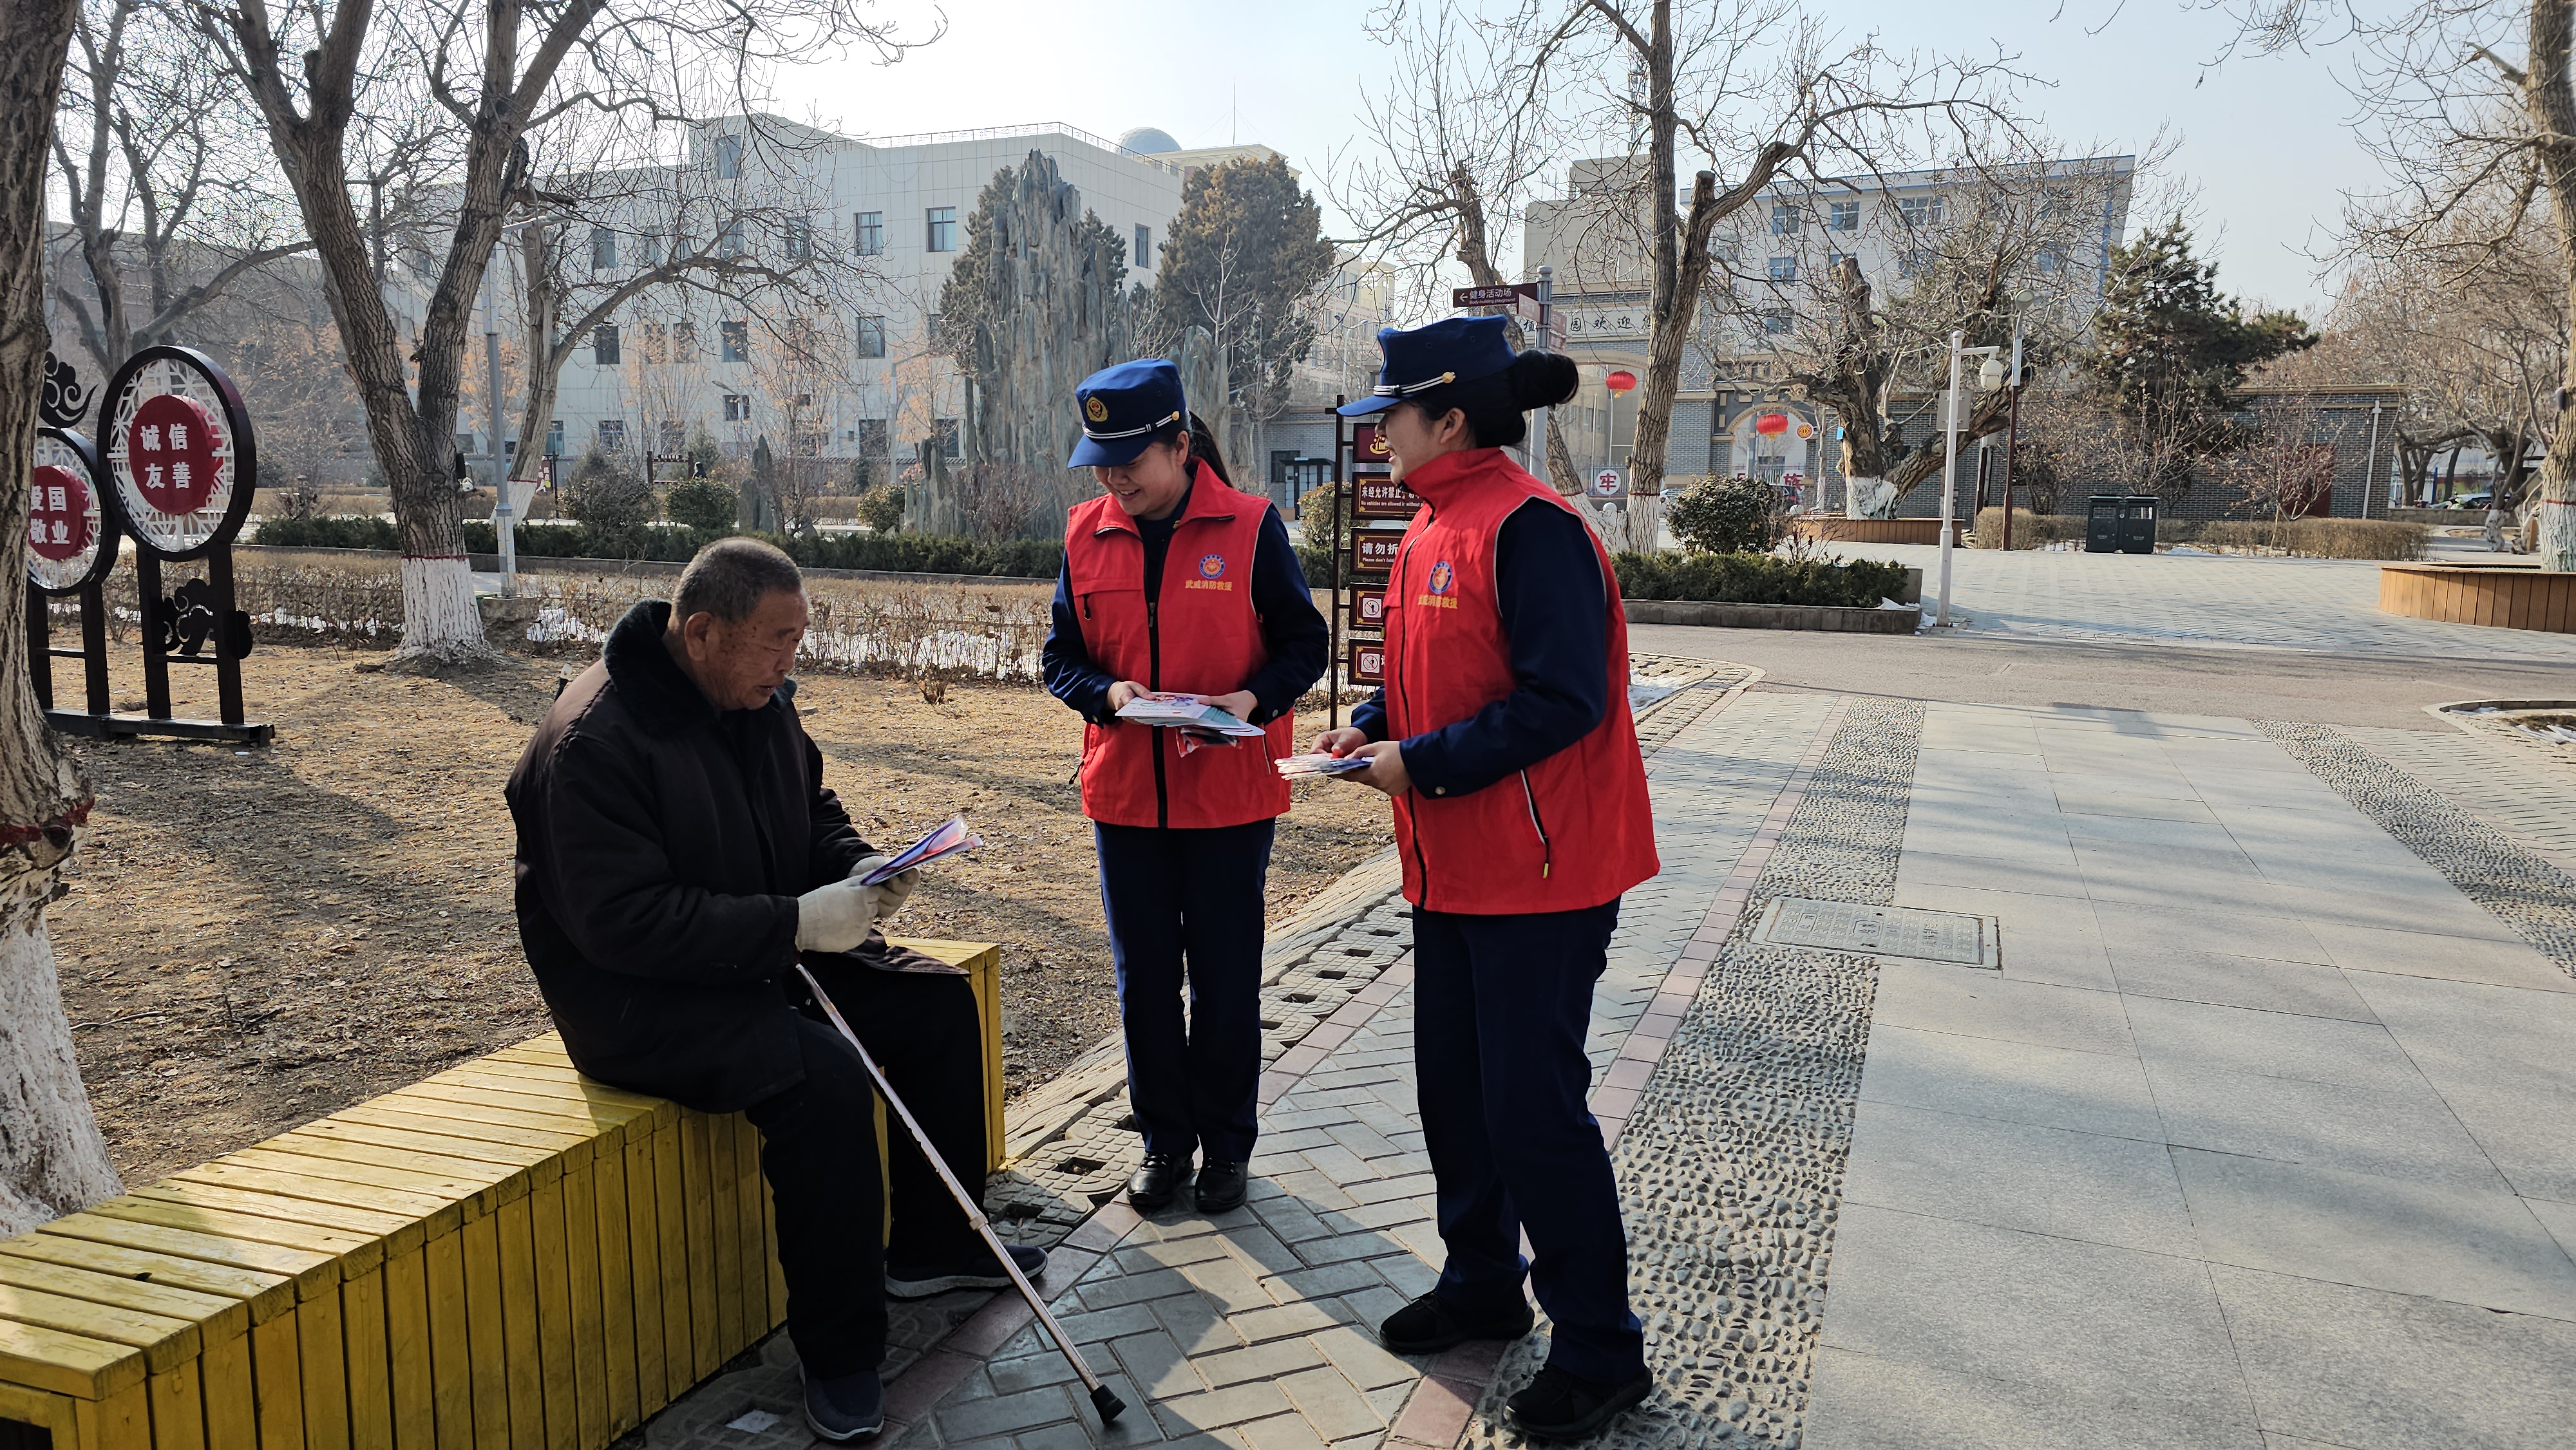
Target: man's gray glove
{"x": 835, "y": 918}
{"x": 887, "y": 896}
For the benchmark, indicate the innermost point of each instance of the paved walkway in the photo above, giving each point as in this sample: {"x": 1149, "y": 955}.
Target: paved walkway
{"x": 2210, "y": 600}
{"x": 2259, "y": 1137}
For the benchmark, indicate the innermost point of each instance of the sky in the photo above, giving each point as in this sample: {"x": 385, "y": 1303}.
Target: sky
{"x": 2265, "y": 144}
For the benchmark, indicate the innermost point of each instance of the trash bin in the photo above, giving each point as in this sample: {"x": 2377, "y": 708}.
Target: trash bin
{"x": 2138, "y": 524}
{"x": 2102, "y": 524}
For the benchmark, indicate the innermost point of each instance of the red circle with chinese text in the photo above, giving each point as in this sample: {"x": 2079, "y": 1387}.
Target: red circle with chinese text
{"x": 170, "y": 453}
{"x": 61, "y": 525}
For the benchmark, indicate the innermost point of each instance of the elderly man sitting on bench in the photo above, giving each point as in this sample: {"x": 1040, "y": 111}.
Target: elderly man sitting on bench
{"x": 677, "y": 853}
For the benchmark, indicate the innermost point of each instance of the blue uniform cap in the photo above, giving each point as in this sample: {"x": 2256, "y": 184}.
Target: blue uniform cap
{"x": 1122, "y": 408}
{"x": 1452, "y": 350}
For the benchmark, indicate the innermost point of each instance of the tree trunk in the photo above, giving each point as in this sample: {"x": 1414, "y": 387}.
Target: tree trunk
{"x": 545, "y": 363}
{"x": 2552, "y": 110}
{"x": 52, "y": 1160}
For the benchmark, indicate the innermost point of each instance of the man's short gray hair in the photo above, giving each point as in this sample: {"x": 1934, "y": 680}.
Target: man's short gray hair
{"x": 730, "y": 577}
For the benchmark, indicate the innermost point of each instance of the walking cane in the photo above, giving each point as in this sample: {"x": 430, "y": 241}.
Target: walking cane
{"x": 1103, "y": 1398}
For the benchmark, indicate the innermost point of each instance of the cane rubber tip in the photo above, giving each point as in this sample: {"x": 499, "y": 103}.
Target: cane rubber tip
{"x": 1106, "y": 1401}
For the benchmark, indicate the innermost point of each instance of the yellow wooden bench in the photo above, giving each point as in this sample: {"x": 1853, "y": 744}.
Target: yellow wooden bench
{"x": 503, "y": 1255}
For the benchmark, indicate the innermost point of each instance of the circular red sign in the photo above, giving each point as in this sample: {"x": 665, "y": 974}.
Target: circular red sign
{"x": 1620, "y": 381}
{"x": 61, "y": 525}
{"x": 170, "y": 451}
{"x": 1770, "y": 423}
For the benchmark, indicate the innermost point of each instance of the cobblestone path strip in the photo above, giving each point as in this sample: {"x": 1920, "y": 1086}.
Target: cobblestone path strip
{"x": 2519, "y": 789}
{"x": 2517, "y": 885}
{"x": 1731, "y": 1165}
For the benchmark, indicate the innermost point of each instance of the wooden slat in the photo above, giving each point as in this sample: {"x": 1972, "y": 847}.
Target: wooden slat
{"x": 572, "y": 1146}
{"x": 697, "y": 1178}
{"x": 525, "y": 1371}
{"x": 616, "y": 1295}
{"x": 216, "y": 1317}
{"x": 121, "y": 1421}
{"x": 358, "y": 1236}
{"x": 479, "y": 1186}
{"x": 777, "y": 1275}
{"x": 451, "y": 1376}
{"x": 732, "y": 1331}
{"x": 369, "y": 1358}
{"x": 679, "y": 1344}
{"x": 323, "y": 1364}
{"x": 488, "y": 1347}
{"x": 225, "y": 1378}
{"x": 409, "y": 1396}
{"x": 589, "y": 1333}
{"x": 165, "y": 1341}
{"x": 177, "y": 1403}
{"x": 277, "y": 1380}
{"x": 755, "y": 1241}
{"x": 562, "y": 1114}
{"x": 67, "y": 1364}
{"x": 263, "y": 1296}
{"x": 314, "y": 1267}
{"x": 449, "y": 1151}
{"x": 428, "y": 1213}
{"x": 551, "y": 1284}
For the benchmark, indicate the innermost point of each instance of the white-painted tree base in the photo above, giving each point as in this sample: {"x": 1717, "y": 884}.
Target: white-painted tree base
{"x": 441, "y": 623}
{"x": 2557, "y": 534}
{"x": 52, "y": 1159}
{"x": 1869, "y": 498}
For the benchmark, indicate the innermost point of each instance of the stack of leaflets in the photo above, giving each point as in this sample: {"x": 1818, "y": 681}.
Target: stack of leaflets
{"x": 1186, "y": 712}
{"x": 1302, "y": 767}
{"x": 947, "y": 840}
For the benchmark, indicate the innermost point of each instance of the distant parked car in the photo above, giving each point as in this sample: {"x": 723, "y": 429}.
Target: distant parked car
{"x": 2476, "y": 500}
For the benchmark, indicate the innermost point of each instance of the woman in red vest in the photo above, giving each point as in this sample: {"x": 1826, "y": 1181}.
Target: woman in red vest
{"x": 1503, "y": 736}
{"x": 1174, "y": 582}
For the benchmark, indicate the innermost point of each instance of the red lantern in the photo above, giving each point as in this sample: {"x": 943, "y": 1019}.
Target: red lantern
{"x": 1771, "y": 423}
{"x": 1620, "y": 381}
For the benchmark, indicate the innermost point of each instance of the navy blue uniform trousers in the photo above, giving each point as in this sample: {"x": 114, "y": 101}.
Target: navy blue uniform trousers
{"x": 1187, "y": 904}
{"x": 1501, "y": 1006}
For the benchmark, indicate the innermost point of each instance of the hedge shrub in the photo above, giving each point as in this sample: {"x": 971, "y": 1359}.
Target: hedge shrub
{"x": 677, "y": 544}
{"x": 1737, "y": 515}
{"x": 346, "y": 531}
{"x": 1759, "y": 579}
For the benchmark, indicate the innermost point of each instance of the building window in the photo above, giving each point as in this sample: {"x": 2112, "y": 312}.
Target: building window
{"x": 1776, "y": 320}
{"x": 871, "y": 233}
{"x": 1914, "y": 261}
{"x": 675, "y": 436}
{"x": 943, "y": 229}
{"x": 729, "y": 241}
{"x": 950, "y": 441}
{"x": 1786, "y": 221}
{"x": 1784, "y": 269}
{"x": 2054, "y": 204}
{"x": 2049, "y": 261}
{"x": 684, "y": 341}
{"x": 603, "y": 250}
{"x": 1922, "y": 211}
{"x": 612, "y": 435}
{"x": 554, "y": 438}
{"x": 728, "y": 158}
{"x": 657, "y": 343}
{"x": 1845, "y": 217}
{"x": 603, "y": 345}
{"x": 871, "y": 337}
{"x": 735, "y": 338}
{"x": 873, "y": 439}
{"x": 1144, "y": 247}
{"x": 938, "y": 329}
{"x": 648, "y": 250}
{"x": 737, "y": 408}
{"x": 1835, "y": 260}
{"x": 800, "y": 239}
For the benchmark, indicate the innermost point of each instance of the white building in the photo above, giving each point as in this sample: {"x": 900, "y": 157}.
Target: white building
{"x": 1732, "y": 414}
{"x": 674, "y": 361}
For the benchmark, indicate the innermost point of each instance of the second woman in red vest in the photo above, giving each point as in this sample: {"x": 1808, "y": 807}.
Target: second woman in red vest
{"x": 1176, "y": 583}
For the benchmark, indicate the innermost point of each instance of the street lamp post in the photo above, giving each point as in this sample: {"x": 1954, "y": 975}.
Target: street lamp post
{"x": 1989, "y": 378}
{"x": 2012, "y": 429}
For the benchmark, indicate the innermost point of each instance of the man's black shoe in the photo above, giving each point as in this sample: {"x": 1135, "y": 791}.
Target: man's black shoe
{"x": 920, "y": 1281}
{"x": 1560, "y": 1406}
{"x": 1427, "y": 1326}
{"x": 846, "y": 1408}
{"x": 1156, "y": 1183}
{"x": 1221, "y": 1185}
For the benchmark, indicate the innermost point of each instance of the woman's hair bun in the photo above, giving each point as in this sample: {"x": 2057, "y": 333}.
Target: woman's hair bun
{"x": 1543, "y": 379}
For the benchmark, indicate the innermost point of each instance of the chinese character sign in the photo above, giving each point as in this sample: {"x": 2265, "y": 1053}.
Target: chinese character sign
{"x": 61, "y": 523}
{"x": 170, "y": 450}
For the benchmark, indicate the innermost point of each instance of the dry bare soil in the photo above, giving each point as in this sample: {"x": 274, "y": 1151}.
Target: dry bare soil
{"x": 255, "y": 938}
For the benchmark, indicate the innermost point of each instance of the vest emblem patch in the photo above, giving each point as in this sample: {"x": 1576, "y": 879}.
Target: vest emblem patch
{"x": 1443, "y": 579}
{"x": 1211, "y": 574}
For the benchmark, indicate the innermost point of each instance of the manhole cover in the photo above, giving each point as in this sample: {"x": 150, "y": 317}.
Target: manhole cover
{"x": 1886, "y": 931}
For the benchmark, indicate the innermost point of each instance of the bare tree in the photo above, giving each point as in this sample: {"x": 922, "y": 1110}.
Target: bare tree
{"x": 166, "y": 205}
{"x": 1760, "y": 90}
{"x": 1452, "y": 154}
{"x": 491, "y": 70}
{"x": 2465, "y": 100}
{"x": 52, "y": 1160}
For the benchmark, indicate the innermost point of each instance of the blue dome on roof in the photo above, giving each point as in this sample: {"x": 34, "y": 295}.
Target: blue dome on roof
{"x": 1149, "y": 141}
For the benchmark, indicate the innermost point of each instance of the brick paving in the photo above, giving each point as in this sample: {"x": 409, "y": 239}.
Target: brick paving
{"x": 2514, "y": 788}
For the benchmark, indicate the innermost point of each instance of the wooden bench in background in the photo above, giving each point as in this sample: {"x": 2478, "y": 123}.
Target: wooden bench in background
{"x": 503, "y": 1255}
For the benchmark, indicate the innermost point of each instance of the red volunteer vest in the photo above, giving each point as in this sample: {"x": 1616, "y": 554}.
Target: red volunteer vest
{"x": 1572, "y": 831}
{"x": 1200, "y": 636}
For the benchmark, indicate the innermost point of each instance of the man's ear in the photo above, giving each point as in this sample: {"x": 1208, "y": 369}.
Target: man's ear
{"x": 697, "y": 634}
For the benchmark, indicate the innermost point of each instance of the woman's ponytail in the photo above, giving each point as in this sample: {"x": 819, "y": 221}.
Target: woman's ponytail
{"x": 1203, "y": 448}
{"x": 1543, "y": 379}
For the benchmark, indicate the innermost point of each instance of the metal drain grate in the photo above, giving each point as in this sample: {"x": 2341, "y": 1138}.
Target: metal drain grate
{"x": 1886, "y": 931}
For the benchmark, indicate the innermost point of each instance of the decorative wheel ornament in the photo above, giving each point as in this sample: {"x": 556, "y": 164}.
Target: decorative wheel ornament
{"x": 177, "y": 446}
{"x": 71, "y": 526}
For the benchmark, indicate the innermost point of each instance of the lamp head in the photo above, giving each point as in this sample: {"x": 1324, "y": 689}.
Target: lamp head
{"x": 1991, "y": 375}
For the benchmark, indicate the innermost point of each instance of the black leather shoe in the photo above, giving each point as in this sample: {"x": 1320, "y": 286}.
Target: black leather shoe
{"x": 1427, "y": 1326}
{"x": 849, "y": 1408}
{"x": 1156, "y": 1183}
{"x": 1560, "y": 1406}
{"x": 1221, "y": 1185}
{"x": 982, "y": 1271}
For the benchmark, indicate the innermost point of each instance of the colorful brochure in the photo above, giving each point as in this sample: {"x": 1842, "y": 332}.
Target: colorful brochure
{"x": 947, "y": 840}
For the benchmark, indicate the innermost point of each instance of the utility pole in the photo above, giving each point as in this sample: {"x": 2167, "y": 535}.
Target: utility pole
{"x": 2012, "y": 431}
{"x": 503, "y": 531}
{"x": 1546, "y": 339}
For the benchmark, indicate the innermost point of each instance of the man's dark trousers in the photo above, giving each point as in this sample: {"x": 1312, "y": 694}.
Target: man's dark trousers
{"x": 1501, "y": 1008}
{"x": 1194, "y": 897}
{"x": 819, "y": 1149}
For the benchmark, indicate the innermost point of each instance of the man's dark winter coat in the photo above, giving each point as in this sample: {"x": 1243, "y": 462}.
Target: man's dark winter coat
{"x": 662, "y": 846}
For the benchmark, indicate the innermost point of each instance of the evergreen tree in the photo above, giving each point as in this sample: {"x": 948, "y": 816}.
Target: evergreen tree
{"x": 2170, "y": 350}
{"x": 1245, "y": 258}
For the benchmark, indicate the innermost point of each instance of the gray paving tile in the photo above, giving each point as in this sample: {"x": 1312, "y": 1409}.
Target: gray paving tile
{"x": 1194, "y": 1324}
{"x": 2192, "y": 1037}
{"x": 1071, "y": 1435}
{"x": 1219, "y": 1408}
{"x": 2452, "y": 958}
{"x": 2469, "y": 1246}
{"x": 2118, "y": 1191}
{"x": 2558, "y": 1218}
{"x": 1362, "y": 1360}
{"x": 2281, "y": 938}
{"x": 1003, "y": 1414}
{"x": 2366, "y": 1368}
{"x": 2231, "y": 981}
{"x": 1098, "y": 1292}
{"x": 1278, "y": 1323}
{"x": 1941, "y": 998}
{"x": 1107, "y": 1324}
{"x": 2084, "y": 1319}
{"x": 1331, "y": 1280}
{"x": 1029, "y": 1371}
{"x": 1862, "y": 1402}
{"x": 1156, "y": 1364}
{"x": 1281, "y": 1432}
{"x": 1267, "y": 1361}
{"x": 2406, "y": 1132}
{"x": 1332, "y": 1404}
{"x": 2091, "y": 1092}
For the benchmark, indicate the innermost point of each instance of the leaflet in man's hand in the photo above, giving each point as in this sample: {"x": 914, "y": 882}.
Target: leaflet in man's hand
{"x": 1185, "y": 712}
{"x": 947, "y": 840}
{"x": 1299, "y": 767}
